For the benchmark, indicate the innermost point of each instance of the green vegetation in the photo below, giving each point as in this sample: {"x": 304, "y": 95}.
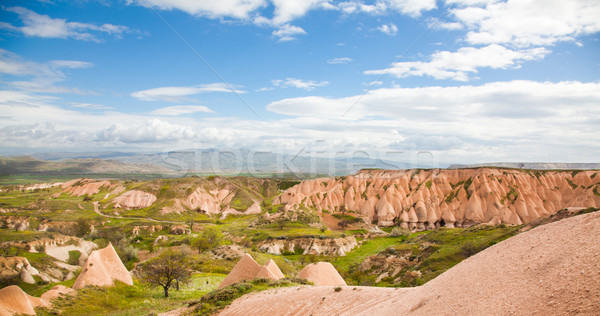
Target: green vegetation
{"x": 135, "y": 299}
{"x": 169, "y": 268}
{"x": 573, "y": 185}
{"x": 210, "y": 238}
{"x": 368, "y": 248}
{"x": 427, "y": 254}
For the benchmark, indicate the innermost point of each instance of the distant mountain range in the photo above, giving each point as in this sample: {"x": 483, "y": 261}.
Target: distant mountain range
{"x": 235, "y": 161}
{"x": 213, "y": 161}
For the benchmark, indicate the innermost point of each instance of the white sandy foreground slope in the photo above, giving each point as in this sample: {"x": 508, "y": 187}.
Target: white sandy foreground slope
{"x": 551, "y": 270}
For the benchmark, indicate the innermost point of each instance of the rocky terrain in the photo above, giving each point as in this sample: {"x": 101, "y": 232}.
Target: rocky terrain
{"x": 550, "y": 270}
{"x": 344, "y": 224}
{"x": 333, "y": 246}
{"x": 426, "y": 199}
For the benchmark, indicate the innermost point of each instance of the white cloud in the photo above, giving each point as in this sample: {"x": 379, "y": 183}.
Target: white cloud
{"x": 286, "y": 10}
{"x": 527, "y": 23}
{"x": 339, "y": 60}
{"x": 299, "y": 83}
{"x": 152, "y": 131}
{"x": 180, "y": 110}
{"x": 90, "y": 106}
{"x": 287, "y": 32}
{"x": 460, "y": 64}
{"x": 411, "y": 7}
{"x": 516, "y": 120}
{"x": 38, "y": 25}
{"x": 175, "y": 94}
{"x": 43, "y": 77}
{"x": 564, "y": 101}
{"x": 390, "y": 29}
{"x": 240, "y": 9}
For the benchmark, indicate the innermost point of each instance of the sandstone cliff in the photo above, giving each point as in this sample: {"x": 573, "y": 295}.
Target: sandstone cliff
{"x": 426, "y": 199}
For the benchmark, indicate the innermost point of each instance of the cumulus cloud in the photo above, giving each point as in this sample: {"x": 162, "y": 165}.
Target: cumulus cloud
{"x": 180, "y": 110}
{"x": 288, "y": 32}
{"x": 390, "y": 29}
{"x": 38, "y": 25}
{"x": 526, "y": 23}
{"x": 411, "y": 7}
{"x": 512, "y": 99}
{"x": 514, "y": 120}
{"x": 299, "y": 83}
{"x": 339, "y": 60}
{"x": 460, "y": 64}
{"x": 175, "y": 94}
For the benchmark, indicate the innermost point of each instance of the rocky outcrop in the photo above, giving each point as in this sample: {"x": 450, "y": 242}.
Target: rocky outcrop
{"x": 14, "y": 301}
{"x": 19, "y": 223}
{"x": 136, "y": 230}
{"x": 426, "y": 199}
{"x": 309, "y": 245}
{"x": 134, "y": 199}
{"x": 11, "y": 267}
{"x": 180, "y": 229}
{"x": 248, "y": 269}
{"x": 66, "y": 228}
{"x": 322, "y": 274}
{"x": 102, "y": 268}
{"x": 80, "y": 187}
{"x": 228, "y": 252}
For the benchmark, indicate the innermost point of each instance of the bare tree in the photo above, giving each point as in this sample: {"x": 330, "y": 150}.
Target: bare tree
{"x": 166, "y": 270}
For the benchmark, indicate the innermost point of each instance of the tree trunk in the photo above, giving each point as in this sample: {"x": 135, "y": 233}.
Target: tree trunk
{"x": 177, "y": 285}
{"x": 166, "y": 291}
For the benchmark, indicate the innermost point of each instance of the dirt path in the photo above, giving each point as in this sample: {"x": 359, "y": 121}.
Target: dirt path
{"x": 97, "y": 210}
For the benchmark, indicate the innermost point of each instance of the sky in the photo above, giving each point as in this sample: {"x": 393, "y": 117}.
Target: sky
{"x": 460, "y": 81}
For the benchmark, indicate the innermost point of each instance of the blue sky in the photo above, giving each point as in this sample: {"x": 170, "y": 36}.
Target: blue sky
{"x": 464, "y": 80}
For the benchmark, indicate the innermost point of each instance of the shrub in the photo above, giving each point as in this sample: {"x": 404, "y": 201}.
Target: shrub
{"x": 41, "y": 248}
{"x": 397, "y": 232}
{"x": 74, "y": 256}
{"x": 468, "y": 249}
{"x": 210, "y": 238}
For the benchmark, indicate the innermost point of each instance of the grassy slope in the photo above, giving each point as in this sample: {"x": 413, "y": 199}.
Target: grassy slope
{"x": 134, "y": 300}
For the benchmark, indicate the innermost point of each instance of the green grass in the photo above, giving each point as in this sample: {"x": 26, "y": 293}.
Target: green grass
{"x": 137, "y": 299}
{"x": 368, "y": 248}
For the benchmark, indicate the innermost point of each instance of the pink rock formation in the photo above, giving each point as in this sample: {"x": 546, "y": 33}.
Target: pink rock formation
{"x": 322, "y": 274}
{"x": 248, "y": 269}
{"x": 14, "y": 301}
{"x": 79, "y": 187}
{"x": 426, "y": 199}
{"x": 102, "y": 268}
{"x": 134, "y": 199}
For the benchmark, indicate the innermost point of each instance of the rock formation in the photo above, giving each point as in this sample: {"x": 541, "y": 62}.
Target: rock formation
{"x": 134, "y": 199}
{"x": 317, "y": 246}
{"x": 102, "y": 268}
{"x": 19, "y": 223}
{"x": 426, "y": 199}
{"x": 80, "y": 187}
{"x": 14, "y": 301}
{"x": 17, "y": 266}
{"x": 248, "y": 269}
{"x": 322, "y": 274}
